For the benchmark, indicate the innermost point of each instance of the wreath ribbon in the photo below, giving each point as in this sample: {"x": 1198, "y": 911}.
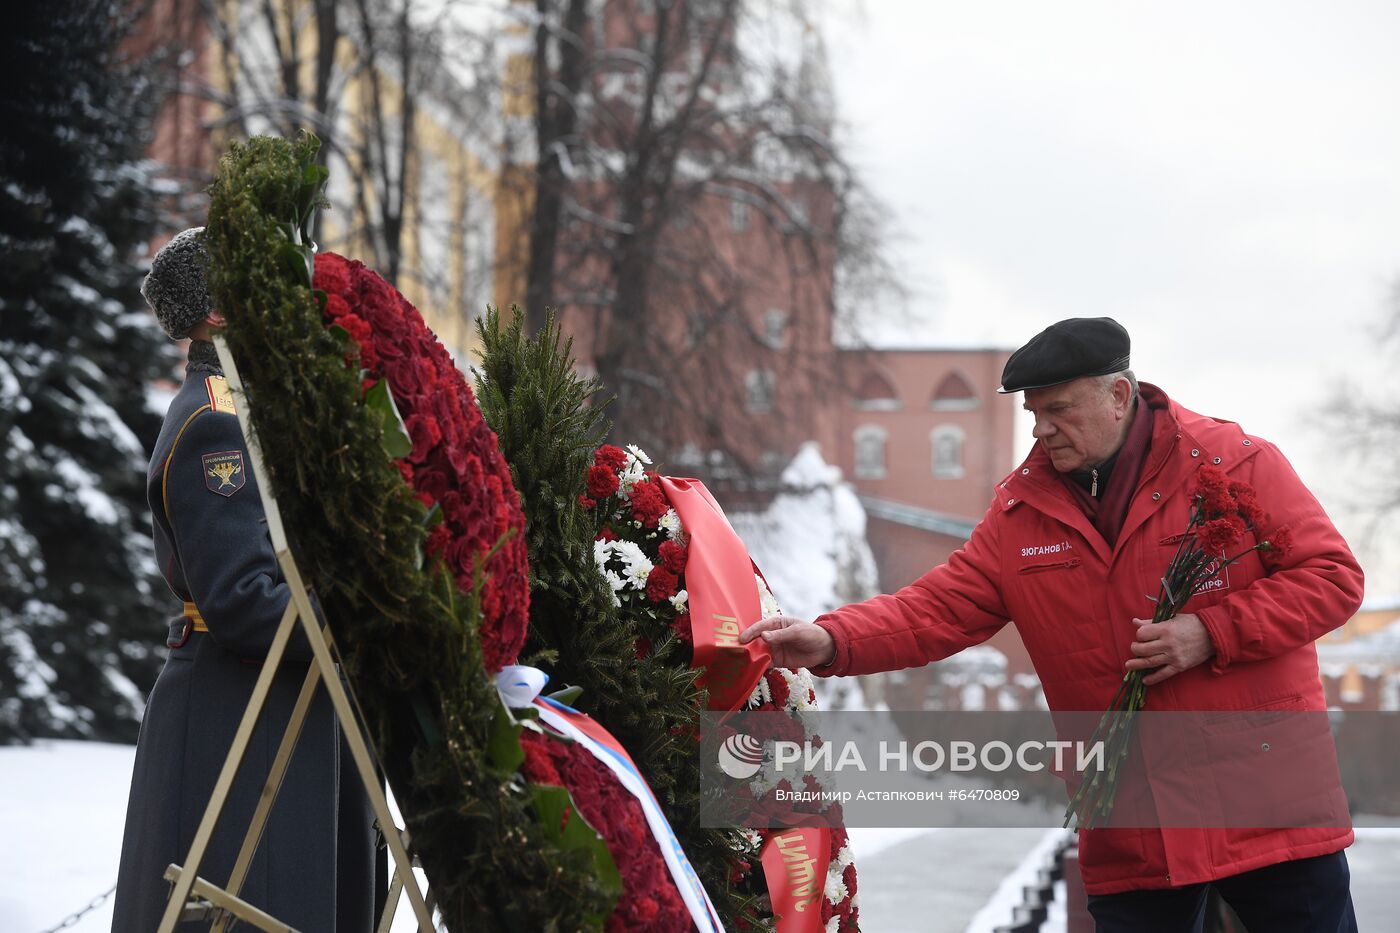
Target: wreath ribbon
{"x": 723, "y": 597}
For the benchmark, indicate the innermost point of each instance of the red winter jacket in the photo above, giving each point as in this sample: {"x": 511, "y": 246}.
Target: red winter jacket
{"x": 1036, "y": 558}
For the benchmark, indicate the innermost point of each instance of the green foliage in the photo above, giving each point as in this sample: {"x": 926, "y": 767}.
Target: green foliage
{"x": 408, "y": 635}
{"x": 548, "y": 422}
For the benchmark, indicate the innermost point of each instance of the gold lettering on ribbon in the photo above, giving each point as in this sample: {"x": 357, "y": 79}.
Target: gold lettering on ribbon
{"x": 801, "y": 870}
{"x": 726, "y": 670}
{"x": 727, "y": 631}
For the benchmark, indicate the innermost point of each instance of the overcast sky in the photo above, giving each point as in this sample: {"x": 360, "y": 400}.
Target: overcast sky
{"x": 1223, "y": 178}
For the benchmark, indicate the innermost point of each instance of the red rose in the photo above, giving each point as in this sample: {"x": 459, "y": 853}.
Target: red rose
{"x": 673, "y": 555}
{"x": 602, "y": 482}
{"x": 648, "y": 503}
{"x": 615, "y": 458}
{"x": 426, "y": 434}
{"x": 662, "y": 584}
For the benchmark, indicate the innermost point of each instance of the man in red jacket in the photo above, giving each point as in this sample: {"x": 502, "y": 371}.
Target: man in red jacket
{"x": 1073, "y": 539}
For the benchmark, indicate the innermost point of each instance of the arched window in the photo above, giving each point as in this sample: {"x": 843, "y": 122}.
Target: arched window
{"x": 947, "y": 442}
{"x": 875, "y": 393}
{"x": 870, "y": 442}
{"x": 954, "y": 393}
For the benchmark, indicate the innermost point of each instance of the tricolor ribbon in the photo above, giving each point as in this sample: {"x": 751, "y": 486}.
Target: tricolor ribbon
{"x": 723, "y": 597}
{"x": 519, "y": 687}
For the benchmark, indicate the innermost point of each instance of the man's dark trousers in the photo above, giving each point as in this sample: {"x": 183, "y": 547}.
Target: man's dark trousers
{"x": 1311, "y": 895}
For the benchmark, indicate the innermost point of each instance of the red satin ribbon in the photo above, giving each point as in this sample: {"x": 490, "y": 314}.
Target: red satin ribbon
{"x": 722, "y": 595}
{"x": 723, "y": 598}
{"x": 795, "y": 863}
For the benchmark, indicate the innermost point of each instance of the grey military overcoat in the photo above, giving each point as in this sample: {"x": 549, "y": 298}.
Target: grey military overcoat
{"x": 314, "y": 867}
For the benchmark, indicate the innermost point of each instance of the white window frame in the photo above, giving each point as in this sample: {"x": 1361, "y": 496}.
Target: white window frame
{"x": 940, "y": 469}
{"x": 863, "y": 440}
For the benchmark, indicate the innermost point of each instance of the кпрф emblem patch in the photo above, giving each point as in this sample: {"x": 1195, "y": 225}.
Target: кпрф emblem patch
{"x": 224, "y": 473}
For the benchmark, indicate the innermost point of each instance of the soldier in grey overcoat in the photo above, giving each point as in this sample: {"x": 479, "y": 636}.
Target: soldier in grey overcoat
{"x": 314, "y": 868}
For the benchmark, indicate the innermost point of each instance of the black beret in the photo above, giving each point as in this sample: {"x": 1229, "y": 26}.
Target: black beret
{"x": 1072, "y": 349}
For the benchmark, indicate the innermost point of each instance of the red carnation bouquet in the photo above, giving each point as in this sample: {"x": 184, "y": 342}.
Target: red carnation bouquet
{"x": 449, "y": 455}
{"x": 642, "y": 549}
{"x": 1222, "y": 513}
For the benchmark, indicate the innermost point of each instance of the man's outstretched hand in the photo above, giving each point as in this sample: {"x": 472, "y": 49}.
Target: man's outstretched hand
{"x": 794, "y": 643}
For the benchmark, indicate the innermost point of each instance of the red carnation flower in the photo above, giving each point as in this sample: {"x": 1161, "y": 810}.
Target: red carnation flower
{"x": 607, "y": 534}
{"x": 1280, "y": 543}
{"x": 1213, "y": 487}
{"x": 642, "y": 647}
{"x": 586, "y": 502}
{"x": 336, "y": 307}
{"x": 778, "y": 686}
{"x": 602, "y": 482}
{"x": 673, "y": 555}
{"x": 1219, "y": 534}
{"x": 648, "y": 503}
{"x": 681, "y": 626}
{"x": 614, "y": 458}
{"x": 662, "y": 584}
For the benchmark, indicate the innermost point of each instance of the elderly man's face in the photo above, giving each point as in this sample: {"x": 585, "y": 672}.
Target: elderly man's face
{"x": 1079, "y": 423}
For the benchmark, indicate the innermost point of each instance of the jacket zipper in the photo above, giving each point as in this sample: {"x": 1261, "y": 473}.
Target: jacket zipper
{"x": 1059, "y": 565}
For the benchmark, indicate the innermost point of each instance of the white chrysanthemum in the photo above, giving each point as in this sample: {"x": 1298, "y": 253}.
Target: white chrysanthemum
{"x": 835, "y": 888}
{"x": 833, "y": 925}
{"x": 766, "y": 600}
{"x": 630, "y": 476}
{"x": 602, "y": 553}
{"x": 844, "y": 857}
{"x": 761, "y": 693}
{"x": 638, "y": 454}
{"x": 671, "y": 524}
{"x": 681, "y": 602}
{"x": 635, "y": 564}
{"x": 800, "y": 690}
{"x": 751, "y": 837}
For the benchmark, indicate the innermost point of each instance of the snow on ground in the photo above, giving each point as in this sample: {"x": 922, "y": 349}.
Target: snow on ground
{"x": 1008, "y": 895}
{"x": 62, "y": 805}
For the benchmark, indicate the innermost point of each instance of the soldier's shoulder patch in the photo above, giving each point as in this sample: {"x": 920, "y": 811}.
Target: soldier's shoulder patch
{"x": 224, "y": 472}
{"x": 220, "y": 395}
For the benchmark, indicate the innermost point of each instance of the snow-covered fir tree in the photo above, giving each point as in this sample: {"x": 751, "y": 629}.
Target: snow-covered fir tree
{"x": 80, "y": 602}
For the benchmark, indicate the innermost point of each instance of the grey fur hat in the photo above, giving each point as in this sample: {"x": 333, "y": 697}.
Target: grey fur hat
{"x": 177, "y": 288}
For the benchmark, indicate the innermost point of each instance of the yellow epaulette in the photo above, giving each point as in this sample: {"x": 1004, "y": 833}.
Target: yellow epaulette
{"x": 220, "y": 395}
